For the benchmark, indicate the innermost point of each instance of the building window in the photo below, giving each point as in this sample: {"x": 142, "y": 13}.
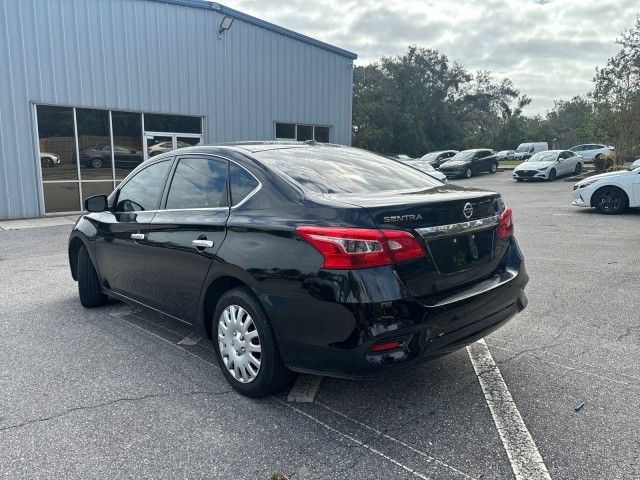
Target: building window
{"x": 85, "y": 152}
{"x": 302, "y": 132}
{"x": 286, "y": 130}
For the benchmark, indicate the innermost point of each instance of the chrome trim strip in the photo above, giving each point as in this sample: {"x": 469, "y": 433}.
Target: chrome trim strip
{"x": 455, "y": 228}
{"x": 478, "y": 289}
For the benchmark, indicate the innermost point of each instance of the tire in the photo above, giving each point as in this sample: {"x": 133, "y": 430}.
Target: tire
{"x": 578, "y": 169}
{"x": 493, "y": 168}
{"x": 89, "y": 287}
{"x": 245, "y": 345}
{"x": 610, "y": 200}
{"x": 552, "y": 175}
{"x": 468, "y": 173}
{"x": 519, "y": 179}
{"x": 96, "y": 162}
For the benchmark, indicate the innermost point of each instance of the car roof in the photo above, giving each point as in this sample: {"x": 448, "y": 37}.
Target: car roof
{"x": 259, "y": 146}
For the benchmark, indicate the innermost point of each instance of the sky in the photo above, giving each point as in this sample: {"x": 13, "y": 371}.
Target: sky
{"x": 548, "y": 48}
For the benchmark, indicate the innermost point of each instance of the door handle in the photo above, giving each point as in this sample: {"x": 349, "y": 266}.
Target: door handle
{"x": 137, "y": 236}
{"x": 200, "y": 243}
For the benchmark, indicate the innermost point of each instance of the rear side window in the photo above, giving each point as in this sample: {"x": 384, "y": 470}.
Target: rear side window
{"x": 242, "y": 183}
{"x": 144, "y": 189}
{"x": 197, "y": 183}
{"x": 331, "y": 169}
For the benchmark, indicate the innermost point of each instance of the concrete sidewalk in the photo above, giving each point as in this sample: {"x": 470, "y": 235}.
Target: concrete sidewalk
{"x": 37, "y": 222}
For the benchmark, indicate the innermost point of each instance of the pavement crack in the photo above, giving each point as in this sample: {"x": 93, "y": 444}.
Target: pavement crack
{"x": 109, "y": 403}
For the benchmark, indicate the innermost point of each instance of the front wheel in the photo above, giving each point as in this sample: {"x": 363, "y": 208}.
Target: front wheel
{"x": 468, "y": 173}
{"x": 96, "y": 162}
{"x": 578, "y": 169}
{"x": 552, "y": 175}
{"x": 493, "y": 168}
{"x": 89, "y": 287}
{"x": 245, "y": 346}
{"x": 610, "y": 201}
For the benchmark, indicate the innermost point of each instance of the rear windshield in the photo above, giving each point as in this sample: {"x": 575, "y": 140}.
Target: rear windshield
{"x": 344, "y": 170}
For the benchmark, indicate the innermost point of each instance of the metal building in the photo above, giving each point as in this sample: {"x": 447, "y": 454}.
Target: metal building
{"x": 90, "y": 88}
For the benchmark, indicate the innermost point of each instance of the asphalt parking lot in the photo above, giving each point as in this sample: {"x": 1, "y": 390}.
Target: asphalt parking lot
{"x": 117, "y": 392}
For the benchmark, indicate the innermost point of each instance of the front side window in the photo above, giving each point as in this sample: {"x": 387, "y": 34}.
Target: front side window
{"x": 143, "y": 190}
{"x": 242, "y": 183}
{"x": 198, "y": 183}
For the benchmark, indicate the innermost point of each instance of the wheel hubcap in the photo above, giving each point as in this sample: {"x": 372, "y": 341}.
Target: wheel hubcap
{"x": 239, "y": 343}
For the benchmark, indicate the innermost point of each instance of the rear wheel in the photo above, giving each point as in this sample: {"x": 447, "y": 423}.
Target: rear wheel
{"x": 610, "y": 200}
{"x": 552, "y": 175}
{"x": 96, "y": 162}
{"x": 89, "y": 287}
{"x": 493, "y": 168}
{"x": 468, "y": 173}
{"x": 245, "y": 346}
{"x": 578, "y": 169}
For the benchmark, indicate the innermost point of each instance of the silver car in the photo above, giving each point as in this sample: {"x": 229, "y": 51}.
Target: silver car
{"x": 589, "y": 151}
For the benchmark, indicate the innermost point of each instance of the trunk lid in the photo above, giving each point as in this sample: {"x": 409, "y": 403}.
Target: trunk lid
{"x": 457, "y": 227}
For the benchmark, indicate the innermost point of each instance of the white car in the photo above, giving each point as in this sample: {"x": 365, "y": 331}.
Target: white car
{"x": 589, "y": 151}
{"x": 425, "y": 167}
{"x": 548, "y": 165}
{"x": 610, "y": 192}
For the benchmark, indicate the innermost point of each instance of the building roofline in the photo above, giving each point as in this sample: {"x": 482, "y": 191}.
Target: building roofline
{"x": 206, "y": 5}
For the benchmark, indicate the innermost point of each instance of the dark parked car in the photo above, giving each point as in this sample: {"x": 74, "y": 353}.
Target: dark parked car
{"x": 307, "y": 258}
{"x": 438, "y": 158}
{"x": 98, "y": 156}
{"x": 470, "y": 162}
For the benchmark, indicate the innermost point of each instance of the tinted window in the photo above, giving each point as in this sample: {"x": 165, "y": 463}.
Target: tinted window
{"x": 305, "y": 132}
{"x": 322, "y": 134}
{"x": 285, "y": 130}
{"x": 242, "y": 183}
{"x": 327, "y": 169}
{"x": 144, "y": 189}
{"x": 197, "y": 183}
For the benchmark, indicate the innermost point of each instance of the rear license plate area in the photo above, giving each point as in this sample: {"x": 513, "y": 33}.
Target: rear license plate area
{"x": 462, "y": 252}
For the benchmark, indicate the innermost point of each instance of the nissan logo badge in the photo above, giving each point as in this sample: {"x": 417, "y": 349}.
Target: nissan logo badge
{"x": 467, "y": 210}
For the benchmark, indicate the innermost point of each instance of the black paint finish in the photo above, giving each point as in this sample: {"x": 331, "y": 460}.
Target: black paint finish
{"x": 325, "y": 321}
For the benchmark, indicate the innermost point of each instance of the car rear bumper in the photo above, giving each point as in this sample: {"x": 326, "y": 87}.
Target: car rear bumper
{"x": 336, "y": 338}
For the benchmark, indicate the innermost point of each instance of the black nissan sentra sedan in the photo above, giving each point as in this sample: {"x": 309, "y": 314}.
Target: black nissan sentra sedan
{"x": 295, "y": 257}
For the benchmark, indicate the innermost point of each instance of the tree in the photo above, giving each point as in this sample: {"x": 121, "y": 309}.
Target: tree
{"x": 616, "y": 95}
{"x": 420, "y": 101}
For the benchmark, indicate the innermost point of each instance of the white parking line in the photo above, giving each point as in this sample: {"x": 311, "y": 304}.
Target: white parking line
{"x": 191, "y": 339}
{"x": 380, "y": 433}
{"x": 355, "y": 440}
{"x": 526, "y": 461}
{"x": 304, "y": 389}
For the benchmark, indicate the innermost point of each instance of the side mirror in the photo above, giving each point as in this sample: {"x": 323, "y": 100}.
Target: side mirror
{"x": 97, "y": 203}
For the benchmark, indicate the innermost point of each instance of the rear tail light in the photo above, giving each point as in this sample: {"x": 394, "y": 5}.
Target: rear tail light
{"x": 349, "y": 248}
{"x": 505, "y": 226}
{"x": 384, "y": 346}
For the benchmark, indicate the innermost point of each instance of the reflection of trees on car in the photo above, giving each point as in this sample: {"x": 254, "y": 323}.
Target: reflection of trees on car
{"x": 98, "y": 156}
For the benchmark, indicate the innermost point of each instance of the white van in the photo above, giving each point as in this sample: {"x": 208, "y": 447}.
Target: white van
{"x": 525, "y": 150}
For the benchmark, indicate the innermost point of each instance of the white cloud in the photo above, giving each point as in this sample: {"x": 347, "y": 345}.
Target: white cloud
{"x": 549, "y": 48}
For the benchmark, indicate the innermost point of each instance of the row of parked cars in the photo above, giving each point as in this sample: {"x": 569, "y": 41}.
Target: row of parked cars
{"x": 538, "y": 161}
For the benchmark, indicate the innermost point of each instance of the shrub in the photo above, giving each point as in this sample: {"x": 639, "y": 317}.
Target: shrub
{"x": 603, "y": 163}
